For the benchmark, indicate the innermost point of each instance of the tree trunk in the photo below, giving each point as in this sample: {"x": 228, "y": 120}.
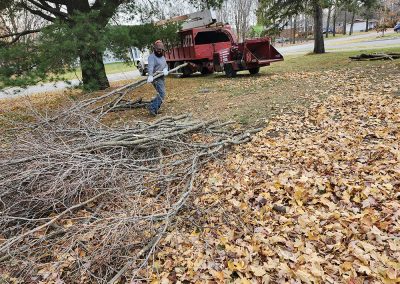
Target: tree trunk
{"x": 306, "y": 26}
{"x": 366, "y": 25}
{"x": 294, "y": 27}
{"x": 318, "y": 28}
{"x": 352, "y": 23}
{"x": 327, "y": 21}
{"x": 345, "y": 23}
{"x": 334, "y": 21}
{"x": 93, "y": 71}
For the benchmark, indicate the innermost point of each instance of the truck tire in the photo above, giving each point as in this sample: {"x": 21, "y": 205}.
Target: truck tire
{"x": 229, "y": 71}
{"x": 206, "y": 71}
{"x": 254, "y": 70}
{"x": 186, "y": 72}
{"x": 141, "y": 69}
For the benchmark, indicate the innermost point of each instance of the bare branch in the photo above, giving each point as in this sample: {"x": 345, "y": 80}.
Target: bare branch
{"x": 10, "y": 242}
{"x": 44, "y": 6}
{"x": 148, "y": 182}
{"x": 39, "y": 13}
{"x": 18, "y": 35}
{"x": 60, "y": 2}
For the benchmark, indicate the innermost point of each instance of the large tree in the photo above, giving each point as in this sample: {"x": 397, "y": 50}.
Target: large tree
{"x": 319, "y": 45}
{"x": 82, "y": 26}
{"x": 77, "y": 33}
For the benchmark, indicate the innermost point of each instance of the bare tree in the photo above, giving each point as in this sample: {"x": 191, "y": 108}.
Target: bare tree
{"x": 328, "y": 19}
{"x": 335, "y": 15}
{"x": 224, "y": 14}
{"x": 242, "y": 10}
{"x": 14, "y": 21}
{"x": 240, "y": 13}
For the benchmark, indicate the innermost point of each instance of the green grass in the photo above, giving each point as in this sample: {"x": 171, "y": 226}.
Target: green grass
{"x": 371, "y": 37}
{"x": 111, "y": 68}
{"x": 349, "y": 38}
{"x": 326, "y": 61}
{"x": 388, "y": 36}
{"x": 340, "y": 35}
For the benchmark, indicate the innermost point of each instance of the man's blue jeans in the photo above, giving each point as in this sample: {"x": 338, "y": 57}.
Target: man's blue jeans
{"x": 159, "y": 85}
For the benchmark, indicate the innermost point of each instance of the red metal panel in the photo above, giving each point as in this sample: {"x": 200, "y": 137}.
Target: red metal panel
{"x": 206, "y": 51}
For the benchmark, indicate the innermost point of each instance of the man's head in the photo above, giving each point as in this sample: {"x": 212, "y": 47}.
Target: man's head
{"x": 158, "y": 48}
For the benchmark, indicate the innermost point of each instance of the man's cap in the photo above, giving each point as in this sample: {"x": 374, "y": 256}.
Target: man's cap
{"x": 158, "y": 44}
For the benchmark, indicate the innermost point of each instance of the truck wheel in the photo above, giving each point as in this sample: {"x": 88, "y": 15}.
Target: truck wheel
{"x": 141, "y": 69}
{"x": 229, "y": 71}
{"x": 206, "y": 71}
{"x": 254, "y": 70}
{"x": 186, "y": 72}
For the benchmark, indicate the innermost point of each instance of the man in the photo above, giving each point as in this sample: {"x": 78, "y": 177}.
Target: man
{"x": 156, "y": 64}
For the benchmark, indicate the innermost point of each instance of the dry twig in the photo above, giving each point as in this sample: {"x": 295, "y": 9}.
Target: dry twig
{"x": 78, "y": 196}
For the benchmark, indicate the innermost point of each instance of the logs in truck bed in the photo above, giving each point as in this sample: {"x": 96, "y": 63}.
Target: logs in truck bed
{"x": 375, "y": 56}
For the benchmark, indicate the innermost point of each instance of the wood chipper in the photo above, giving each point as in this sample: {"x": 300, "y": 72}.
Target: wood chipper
{"x": 208, "y": 46}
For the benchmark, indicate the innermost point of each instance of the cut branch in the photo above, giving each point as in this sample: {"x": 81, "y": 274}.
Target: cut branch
{"x": 5, "y": 246}
{"x": 145, "y": 173}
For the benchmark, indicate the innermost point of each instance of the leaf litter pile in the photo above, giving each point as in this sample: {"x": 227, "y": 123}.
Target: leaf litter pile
{"x": 313, "y": 198}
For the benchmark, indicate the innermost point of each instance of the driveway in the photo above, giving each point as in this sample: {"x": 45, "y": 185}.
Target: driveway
{"x": 50, "y": 87}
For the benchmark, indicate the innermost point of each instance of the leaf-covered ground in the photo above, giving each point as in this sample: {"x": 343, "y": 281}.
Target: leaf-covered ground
{"x": 314, "y": 198}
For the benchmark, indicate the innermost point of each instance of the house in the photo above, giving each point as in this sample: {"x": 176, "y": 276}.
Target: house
{"x": 360, "y": 25}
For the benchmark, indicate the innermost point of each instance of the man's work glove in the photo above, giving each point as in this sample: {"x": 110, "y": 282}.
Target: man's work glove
{"x": 150, "y": 79}
{"x": 165, "y": 71}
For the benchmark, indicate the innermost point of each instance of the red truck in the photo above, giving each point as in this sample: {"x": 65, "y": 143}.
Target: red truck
{"x": 211, "y": 47}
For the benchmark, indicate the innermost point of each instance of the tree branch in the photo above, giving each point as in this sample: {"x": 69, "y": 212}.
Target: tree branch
{"x": 60, "y": 2}
{"x": 39, "y": 13}
{"x": 108, "y": 9}
{"x": 97, "y": 5}
{"x": 18, "y": 35}
{"x": 44, "y": 6}
{"x": 10, "y": 242}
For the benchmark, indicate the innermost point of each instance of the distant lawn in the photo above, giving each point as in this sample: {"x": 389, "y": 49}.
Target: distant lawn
{"x": 389, "y": 36}
{"x": 372, "y": 35}
{"x": 326, "y": 61}
{"x": 111, "y": 68}
{"x": 340, "y": 35}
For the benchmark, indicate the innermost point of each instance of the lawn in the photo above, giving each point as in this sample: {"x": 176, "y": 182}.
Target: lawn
{"x": 111, "y": 68}
{"x": 371, "y": 33}
{"x": 249, "y": 100}
{"x": 372, "y": 37}
{"x": 326, "y": 61}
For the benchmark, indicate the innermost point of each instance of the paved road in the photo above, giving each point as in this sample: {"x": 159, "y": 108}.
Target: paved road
{"x": 366, "y": 41}
{"x": 49, "y": 87}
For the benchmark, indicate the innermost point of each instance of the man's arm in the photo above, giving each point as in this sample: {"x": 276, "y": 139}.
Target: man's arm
{"x": 150, "y": 65}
